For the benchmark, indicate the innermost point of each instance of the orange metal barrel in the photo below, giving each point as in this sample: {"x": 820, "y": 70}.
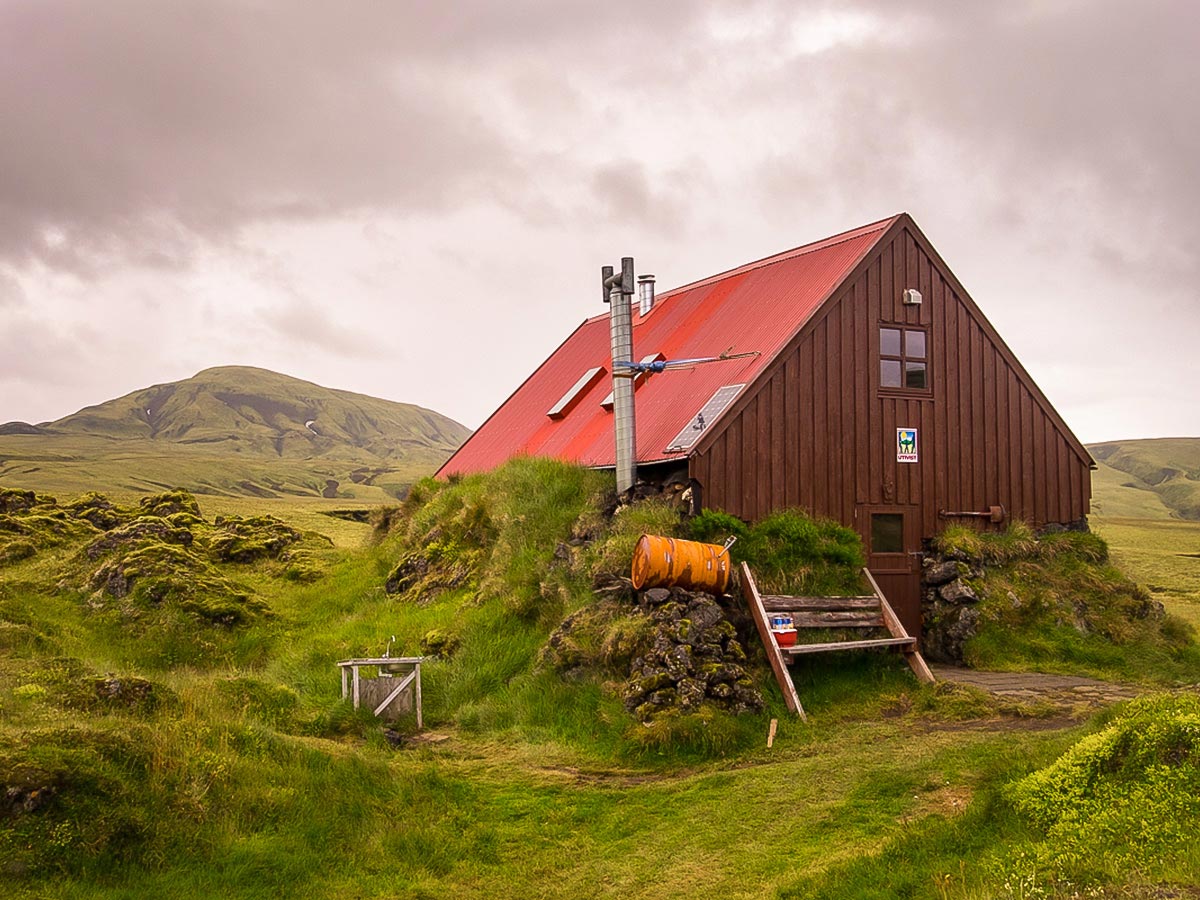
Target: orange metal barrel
{"x": 670, "y": 562}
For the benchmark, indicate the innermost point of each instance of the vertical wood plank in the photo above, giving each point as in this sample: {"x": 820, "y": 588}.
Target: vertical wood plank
{"x": 978, "y": 424}
{"x": 874, "y": 425}
{"x": 847, "y": 386}
{"x": 734, "y": 467}
{"x": 1004, "y": 446}
{"x": 990, "y": 443}
{"x": 791, "y": 406}
{"x": 763, "y": 456}
{"x": 862, "y": 360}
{"x": 1040, "y": 475}
{"x": 941, "y": 429}
{"x": 820, "y": 422}
{"x": 749, "y": 460}
{"x": 1016, "y": 445}
{"x": 808, "y": 475}
{"x": 952, "y": 409}
{"x": 1029, "y": 457}
{"x": 833, "y": 425}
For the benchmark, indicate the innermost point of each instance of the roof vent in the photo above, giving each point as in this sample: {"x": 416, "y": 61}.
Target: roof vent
{"x": 646, "y": 292}
{"x": 912, "y": 297}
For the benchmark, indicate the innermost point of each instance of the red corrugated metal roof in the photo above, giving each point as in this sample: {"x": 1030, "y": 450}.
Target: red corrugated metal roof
{"x": 756, "y": 307}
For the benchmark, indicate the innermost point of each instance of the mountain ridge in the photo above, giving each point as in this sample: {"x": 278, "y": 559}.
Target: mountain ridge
{"x": 236, "y": 429}
{"x": 1148, "y": 477}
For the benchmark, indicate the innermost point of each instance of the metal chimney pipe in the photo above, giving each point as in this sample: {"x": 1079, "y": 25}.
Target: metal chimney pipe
{"x": 621, "y": 334}
{"x": 646, "y": 290}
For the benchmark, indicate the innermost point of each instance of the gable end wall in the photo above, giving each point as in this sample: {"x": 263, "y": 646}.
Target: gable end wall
{"x": 815, "y": 432}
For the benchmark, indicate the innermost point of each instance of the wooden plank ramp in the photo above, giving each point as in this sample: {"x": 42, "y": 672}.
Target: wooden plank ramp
{"x": 871, "y": 611}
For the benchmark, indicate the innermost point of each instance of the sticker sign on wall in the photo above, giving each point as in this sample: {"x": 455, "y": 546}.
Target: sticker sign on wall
{"x": 906, "y": 445}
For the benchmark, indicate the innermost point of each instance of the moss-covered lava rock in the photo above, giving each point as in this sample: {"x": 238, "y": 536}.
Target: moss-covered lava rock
{"x": 154, "y": 574}
{"x": 177, "y": 501}
{"x": 243, "y": 540}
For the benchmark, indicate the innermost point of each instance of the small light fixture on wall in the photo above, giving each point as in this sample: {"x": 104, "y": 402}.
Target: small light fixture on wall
{"x": 911, "y": 297}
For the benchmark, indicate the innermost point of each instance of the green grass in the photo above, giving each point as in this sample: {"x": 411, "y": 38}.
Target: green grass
{"x": 1162, "y": 555}
{"x": 1055, "y": 603}
{"x": 248, "y": 776}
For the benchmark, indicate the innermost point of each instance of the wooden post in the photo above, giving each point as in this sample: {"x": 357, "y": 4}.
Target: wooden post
{"x": 912, "y": 655}
{"x": 355, "y": 686}
{"x": 420, "y": 724}
{"x": 754, "y": 600}
{"x": 345, "y": 684}
{"x": 771, "y": 733}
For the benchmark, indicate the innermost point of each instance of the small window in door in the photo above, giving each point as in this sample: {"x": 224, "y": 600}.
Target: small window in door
{"x": 887, "y": 533}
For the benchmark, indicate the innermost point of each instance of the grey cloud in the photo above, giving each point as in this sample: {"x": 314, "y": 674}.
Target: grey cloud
{"x": 11, "y": 292}
{"x": 129, "y": 121}
{"x": 135, "y": 127}
{"x": 1070, "y": 108}
{"x": 307, "y": 324}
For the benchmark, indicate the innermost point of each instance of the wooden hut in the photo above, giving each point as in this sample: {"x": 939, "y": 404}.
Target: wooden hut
{"x": 876, "y": 393}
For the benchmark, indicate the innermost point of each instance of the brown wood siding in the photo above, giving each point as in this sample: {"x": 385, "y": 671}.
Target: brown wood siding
{"x": 817, "y": 432}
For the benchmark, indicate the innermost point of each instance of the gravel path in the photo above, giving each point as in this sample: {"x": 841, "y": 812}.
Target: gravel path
{"x": 1032, "y": 686}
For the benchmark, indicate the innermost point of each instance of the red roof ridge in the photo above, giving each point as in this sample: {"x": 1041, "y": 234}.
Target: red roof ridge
{"x": 784, "y": 255}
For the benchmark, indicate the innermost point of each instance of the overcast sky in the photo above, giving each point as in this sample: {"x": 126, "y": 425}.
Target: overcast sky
{"x": 413, "y": 200}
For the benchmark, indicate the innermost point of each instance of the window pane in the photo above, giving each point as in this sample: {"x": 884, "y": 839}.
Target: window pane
{"x": 889, "y": 341}
{"x": 889, "y": 373}
{"x": 914, "y": 375}
{"x": 914, "y": 344}
{"x": 887, "y": 533}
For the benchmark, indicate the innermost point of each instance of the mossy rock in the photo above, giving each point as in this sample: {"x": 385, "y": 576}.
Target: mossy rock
{"x": 15, "y": 551}
{"x": 99, "y": 510}
{"x": 158, "y": 574}
{"x": 166, "y": 504}
{"x": 73, "y": 795}
{"x": 440, "y": 644}
{"x": 302, "y": 567}
{"x": 14, "y": 501}
{"x": 245, "y": 540}
{"x": 142, "y": 530}
{"x": 427, "y": 573}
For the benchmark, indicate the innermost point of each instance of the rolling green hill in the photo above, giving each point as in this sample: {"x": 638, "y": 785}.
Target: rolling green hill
{"x": 1153, "y": 478}
{"x": 237, "y": 431}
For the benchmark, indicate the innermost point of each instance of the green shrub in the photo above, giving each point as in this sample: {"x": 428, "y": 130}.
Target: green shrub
{"x": 1128, "y": 795}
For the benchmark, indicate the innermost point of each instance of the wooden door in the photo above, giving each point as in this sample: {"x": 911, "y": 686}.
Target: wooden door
{"x": 891, "y": 538}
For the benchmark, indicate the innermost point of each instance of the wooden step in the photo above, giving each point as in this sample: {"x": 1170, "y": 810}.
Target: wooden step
{"x": 861, "y": 618}
{"x": 848, "y": 645}
{"x": 780, "y": 603}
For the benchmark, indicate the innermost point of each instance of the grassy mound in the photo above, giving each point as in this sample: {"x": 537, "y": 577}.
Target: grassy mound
{"x": 1128, "y": 795}
{"x": 790, "y": 552}
{"x": 157, "y": 574}
{"x": 1055, "y": 603}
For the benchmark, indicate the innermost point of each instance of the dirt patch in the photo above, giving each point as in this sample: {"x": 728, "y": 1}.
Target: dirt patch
{"x": 614, "y": 777}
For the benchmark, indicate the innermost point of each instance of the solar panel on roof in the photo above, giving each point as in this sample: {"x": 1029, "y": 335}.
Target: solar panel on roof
{"x": 692, "y": 431}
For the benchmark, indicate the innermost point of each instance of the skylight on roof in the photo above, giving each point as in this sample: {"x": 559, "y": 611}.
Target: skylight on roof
{"x": 577, "y": 390}
{"x": 693, "y": 430}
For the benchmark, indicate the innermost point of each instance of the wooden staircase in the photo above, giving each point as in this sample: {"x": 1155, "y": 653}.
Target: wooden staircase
{"x": 872, "y": 611}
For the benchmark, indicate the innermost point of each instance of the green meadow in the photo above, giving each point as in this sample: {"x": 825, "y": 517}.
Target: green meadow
{"x": 149, "y": 747}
